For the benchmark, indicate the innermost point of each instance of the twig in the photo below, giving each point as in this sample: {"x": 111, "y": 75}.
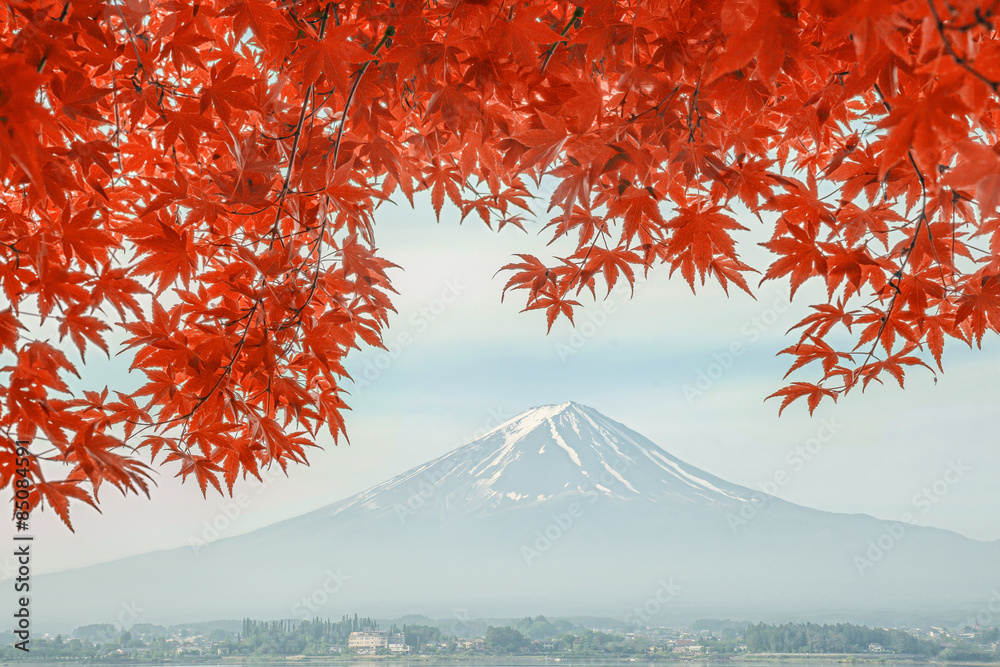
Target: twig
{"x": 898, "y": 275}
{"x": 960, "y": 60}
{"x": 577, "y": 15}
{"x": 389, "y": 32}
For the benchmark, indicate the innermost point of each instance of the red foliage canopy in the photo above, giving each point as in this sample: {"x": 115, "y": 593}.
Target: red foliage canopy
{"x": 206, "y": 173}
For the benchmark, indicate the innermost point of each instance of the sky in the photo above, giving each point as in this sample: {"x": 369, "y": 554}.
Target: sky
{"x": 690, "y": 372}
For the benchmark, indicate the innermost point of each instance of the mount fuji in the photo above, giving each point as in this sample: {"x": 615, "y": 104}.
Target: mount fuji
{"x": 560, "y": 510}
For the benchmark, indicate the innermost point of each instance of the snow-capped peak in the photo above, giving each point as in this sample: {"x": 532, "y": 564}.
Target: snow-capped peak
{"x": 551, "y": 454}
{"x": 533, "y": 417}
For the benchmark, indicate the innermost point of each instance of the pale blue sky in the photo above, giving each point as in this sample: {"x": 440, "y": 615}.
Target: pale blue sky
{"x": 461, "y": 366}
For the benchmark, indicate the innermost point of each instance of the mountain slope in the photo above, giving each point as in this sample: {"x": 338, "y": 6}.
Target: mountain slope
{"x": 543, "y": 455}
{"x": 559, "y": 510}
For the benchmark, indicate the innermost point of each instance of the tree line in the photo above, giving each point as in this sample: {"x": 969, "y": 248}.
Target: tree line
{"x": 839, "y": 638}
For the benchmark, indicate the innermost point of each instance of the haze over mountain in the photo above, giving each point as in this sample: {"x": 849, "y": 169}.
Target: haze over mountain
{"x": 560, "y": 510}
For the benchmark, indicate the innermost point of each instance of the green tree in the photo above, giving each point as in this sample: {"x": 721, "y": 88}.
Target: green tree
{"x": 504, "y": 639}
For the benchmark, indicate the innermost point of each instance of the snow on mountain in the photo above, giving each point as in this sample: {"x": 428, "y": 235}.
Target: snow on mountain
{"x": 545, "y": 455}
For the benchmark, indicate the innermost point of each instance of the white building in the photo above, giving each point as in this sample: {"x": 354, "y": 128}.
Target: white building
{"x": 368, "y": 641}
{"x": 397, "y": 643}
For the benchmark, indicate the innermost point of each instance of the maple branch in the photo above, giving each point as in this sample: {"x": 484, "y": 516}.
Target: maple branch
{"x": 226, "y": 370}
{"x": 577, "y": 15}
{"x": 655, "y": 108}
{"x": 296, "y": 318}
{"x": 117, "y": 135}
{"x": 296, "y": 135}
{"x": 981, "y": 21}
{"x": 583, "y": 263}
{"x": 10, "y": 246}
{"x": 59, "y": 19}
{"x": 907, "y": 254}
{"x": 389, "y": 32}
{"x": 960, "y": 60}
{"x": 493, "y": 204}
{"x": 693, "y": 111}
{"x": 155, "y": 82}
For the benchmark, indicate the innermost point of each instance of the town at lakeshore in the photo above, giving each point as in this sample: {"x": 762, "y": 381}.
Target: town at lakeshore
{"x": 529, "y": 639}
